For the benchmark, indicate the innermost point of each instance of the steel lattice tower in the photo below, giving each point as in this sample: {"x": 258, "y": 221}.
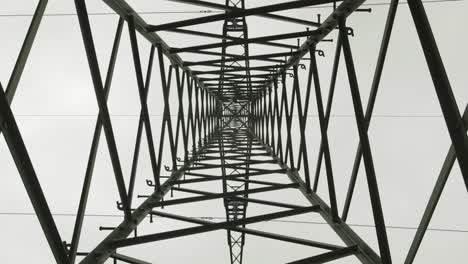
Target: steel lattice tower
{"x": 236, "y": 130}
{"x": 236, "y": 134}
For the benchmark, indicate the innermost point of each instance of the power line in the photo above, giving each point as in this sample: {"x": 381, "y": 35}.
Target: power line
{"x": 59, "y": 214}
{"x": 207, "y": 10}
{"x": 112, "y": 13}
{"x": 159, "y": 115}
{"x": 400, "y": 3}
{"x": 451, "y": 230}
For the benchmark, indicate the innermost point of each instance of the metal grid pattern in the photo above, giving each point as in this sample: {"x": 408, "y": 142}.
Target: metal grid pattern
{"x": 234, "y": 129}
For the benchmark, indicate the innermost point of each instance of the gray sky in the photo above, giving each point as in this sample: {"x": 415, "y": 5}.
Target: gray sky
{"x": 56, "y": 111}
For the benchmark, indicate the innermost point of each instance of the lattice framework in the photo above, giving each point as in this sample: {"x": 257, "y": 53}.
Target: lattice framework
{"x": 234, "y": 123}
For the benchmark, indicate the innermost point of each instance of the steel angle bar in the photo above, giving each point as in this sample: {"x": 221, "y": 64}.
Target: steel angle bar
{"x": 230, "y": 8}
{"x": 125, "y": 11}
{"x": 104, "y": 250}
{"x": 211, "y": 227}
{"x": 28, "y": 175}
{"x": 143, "y": 89}
{"x": 442, "y": 86}
{"x": 251, "y": 57}
{"x": 249, "y": 231}
{"x": 365, "y": 253}
{"x": 127, "y": 259}
{"x": 434, "y": 198}
{"x": 102, "y": 101}
{"x": 331, "y": 93}
{"x": 343, "y": 10}
{"x": 25, "y": 50}
{"x": 328, "y": 256}
{"x": 246, "y": 41}
{"x": 93, "y": 152}
{"x": 221, "y": 195}
{"x": 212, "y": 35}
{"x": 377, "y": 211}
{"x": 206, "y": 178}
{"x": 238, "y": 13}
{"x": 324, "y": 136}
{"x": 238, "y": 198}
{"x": 258, "y": 68}
{"x": 371, "y": 101}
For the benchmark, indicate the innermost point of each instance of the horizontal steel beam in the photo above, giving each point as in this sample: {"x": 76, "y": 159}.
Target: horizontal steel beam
{"x": 128, "y": 259}
{"x": 249, "y": 231}
{"x": 205, "y": 178}
{"x": 267, "y": 68}
{"x": 245, "y": 199}
{"x": 246, "y": 41}
{"x": 231, "y": 82}
{"x": 230, "y": 8}
{"x": 207, "y": 228}
{"x": 103, "y": 251}
{"x": 233, "y": 76}
{"x": 365, "y": 253}
{"x": 328, "y": 256}
{"x": 126, "y": 12}
{"x": 217, "y": 36}
{"x": 238, "y": 13}
{"x": 346, "y": 8}
{"x": 250, "y": 57}
{"x": 221, "y": 195}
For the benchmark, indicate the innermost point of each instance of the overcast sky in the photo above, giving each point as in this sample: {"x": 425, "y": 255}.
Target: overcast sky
{"x": 56, "y": 111}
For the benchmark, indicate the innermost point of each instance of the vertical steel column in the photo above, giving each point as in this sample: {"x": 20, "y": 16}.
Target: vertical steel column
{"x": 302, "y": 116}
{"x": 143, "y": 89}
{"x": 442, "y": 86}
{"x": 136, "y": 152}
{"x": 331, "y": 93}
{"x": 94, "y": 148}
{"x": 25, "y": 50}
{"x": 456, "y": 125}
{"x": 271, "y": 114}
{"x": 323, "y": 130}
{"x": 371, "y": 101}
{"x": 279, "y": 109}
{"x": 180, "y": 127}
{"x": 101, "y": 99}
{"x": 368, "y": 162}
{"x": 288, "y": 115}
{"x": 28, "y": 175}
{"x": 434, "y": 199}
{"x": 17, "y": 147}
{"x": 190, "y": 123}
{"x": 166, "y": 84}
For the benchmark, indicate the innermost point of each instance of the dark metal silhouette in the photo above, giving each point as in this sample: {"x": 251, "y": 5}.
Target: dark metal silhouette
{"x": 238, "y": 124}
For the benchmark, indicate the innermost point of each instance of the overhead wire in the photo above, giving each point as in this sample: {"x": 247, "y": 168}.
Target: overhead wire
{"x": 211, "y": 10}
{"x": 451, "y": 230}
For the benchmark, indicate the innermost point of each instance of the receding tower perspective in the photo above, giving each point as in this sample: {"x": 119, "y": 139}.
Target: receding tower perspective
{"x": 234, "y": 131}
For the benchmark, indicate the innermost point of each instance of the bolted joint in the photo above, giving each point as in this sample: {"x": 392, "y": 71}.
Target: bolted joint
{"x": 150, "y": 183}
{"x": 367, "y": 10}
{"x": 320, "y": 53}
{"x": 106, "y": 228}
